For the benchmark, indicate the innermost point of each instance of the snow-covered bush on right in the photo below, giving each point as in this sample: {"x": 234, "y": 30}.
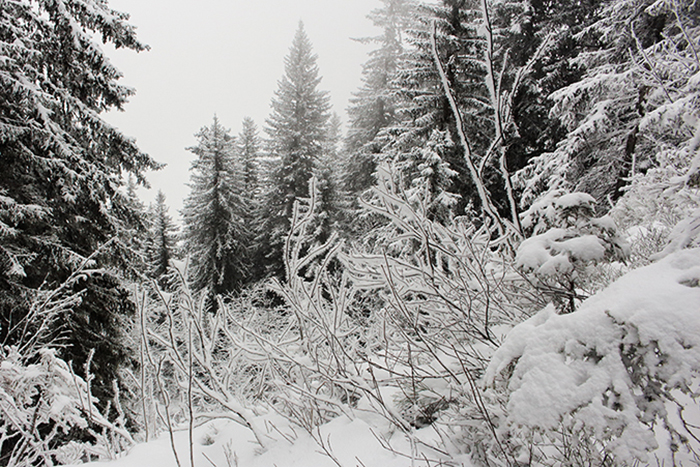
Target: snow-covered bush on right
{"x": 566, "y": 239}
{"x": 616, "y": 382}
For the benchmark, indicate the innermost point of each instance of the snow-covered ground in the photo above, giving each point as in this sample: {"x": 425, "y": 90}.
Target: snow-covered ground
{"x": 225, "y": 443}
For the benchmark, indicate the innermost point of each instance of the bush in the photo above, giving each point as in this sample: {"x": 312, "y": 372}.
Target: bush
{"x": 604, "y": 384}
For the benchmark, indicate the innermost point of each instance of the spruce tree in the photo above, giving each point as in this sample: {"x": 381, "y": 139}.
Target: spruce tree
{"x": 215, "y": 235}
{"x": 297, "y": 131}
{"x": 134, "y": 232}
{"x": 62, "y": 164}
{"x": 563, "y": 25}
{"x": 162, "y": 239}
{"x": 255, "y": 179}
{"x": 249, "y": 152}
{"x": 330, "y": 203}
{"x": 63, "y": 169}
{"x": 373, "y": 106}
{"x": 626, "y": 109}
{"x": 422, "y": 107}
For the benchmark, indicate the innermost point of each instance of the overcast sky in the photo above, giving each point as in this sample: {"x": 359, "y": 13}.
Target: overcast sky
{"x": 225, "y": 57}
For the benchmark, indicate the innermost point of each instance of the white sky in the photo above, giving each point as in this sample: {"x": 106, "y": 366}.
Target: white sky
{"x": 225, "y": 57}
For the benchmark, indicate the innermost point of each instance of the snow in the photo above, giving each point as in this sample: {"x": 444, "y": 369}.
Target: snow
{"x": 684, "y": 234}
{"x": 594, "y": 363}
{"x": 552, "y": 252}
{"x": 548, "y": 210}
{"x": 351, "y": 442}
{"x": 605, "y": 223}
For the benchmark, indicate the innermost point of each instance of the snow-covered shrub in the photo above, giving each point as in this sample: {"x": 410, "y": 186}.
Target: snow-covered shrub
{"x": 318, "y": 361}
{"x": 686, "y": 233}
{"x": 415, "y": 359}
{"x": 447, "y": 301}
{"x": 565, "y": 239}
{"x": 614, "y": 383}
{"x": 658, "y": 208}
{"x": 48, "y": 416}
{"x": 251, "y": 354}
{"x": 194, "y": 361}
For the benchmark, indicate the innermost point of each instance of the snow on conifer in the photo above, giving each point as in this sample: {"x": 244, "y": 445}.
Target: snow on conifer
{"x": 215, "y": 235}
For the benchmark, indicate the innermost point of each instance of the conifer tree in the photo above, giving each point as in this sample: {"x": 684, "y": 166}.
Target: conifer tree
{"x": 330, "y": 204}
{"x": 373, "y": 106}
{"x": 215, "y": 235}
{"x": 249, "y": 152}
{"x": 255, "y": 178}
{"x": 423, "y": 107}
{"x": 248, "y": 147}
{"x": 297, "y": 131}
{"x": 563, "y": 25}
{"x": 63, "y": 172}
{"x": 430, "y": 186}
{"x": 62, "y": 164}
{"x": 629, "y": 108}
{"x": 163, "y": 237}
{"x": 133, "y": 232}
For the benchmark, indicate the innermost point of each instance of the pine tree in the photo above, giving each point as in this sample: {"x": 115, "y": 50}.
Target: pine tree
{"x": 297, "y": 130}
{"x": 134, "y": 234}
{"x": 330, "y": 205}
{"x": 430, "y": 186}
{"x": 248, "y": 147}
{"x": 255, "y": 175}
{"x": 422, "y": 107}
{"x": 483, "y": 63}
{"x": 62, "y": 165}
{"x": 630, "y": 107}
{"x": 562, "y": 25}
{"x": 215, "y": 235}
{"x": 162, "y": 239}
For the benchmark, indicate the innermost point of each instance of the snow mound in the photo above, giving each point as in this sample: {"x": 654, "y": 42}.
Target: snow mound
{"x": 613, "y": 366}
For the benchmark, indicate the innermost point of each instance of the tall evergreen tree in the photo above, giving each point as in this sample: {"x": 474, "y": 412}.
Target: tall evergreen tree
{"x": 249, "y": 152}
{"x": 133, "y": 231}
{"x": 297, "y": 131}
{"x": 255, "y": 177}
{"x": 215, "y": 235}
{"x": 62, "y": 164}
{"x": 330, "y": 204}
{"x": 62, "y": 170}
{"x": 163, "y": 236}
{"x": 563, "y": 24}
{"x": 630, "y": 108}
{"x": 373, "y": 106}
{"x": 422, "y": 107}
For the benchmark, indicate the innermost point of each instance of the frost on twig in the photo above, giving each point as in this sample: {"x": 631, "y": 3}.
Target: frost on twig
{"x": 43, "y": 401}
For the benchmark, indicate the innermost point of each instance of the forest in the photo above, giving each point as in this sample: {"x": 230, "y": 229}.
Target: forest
{"x": 495, "y": 262}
